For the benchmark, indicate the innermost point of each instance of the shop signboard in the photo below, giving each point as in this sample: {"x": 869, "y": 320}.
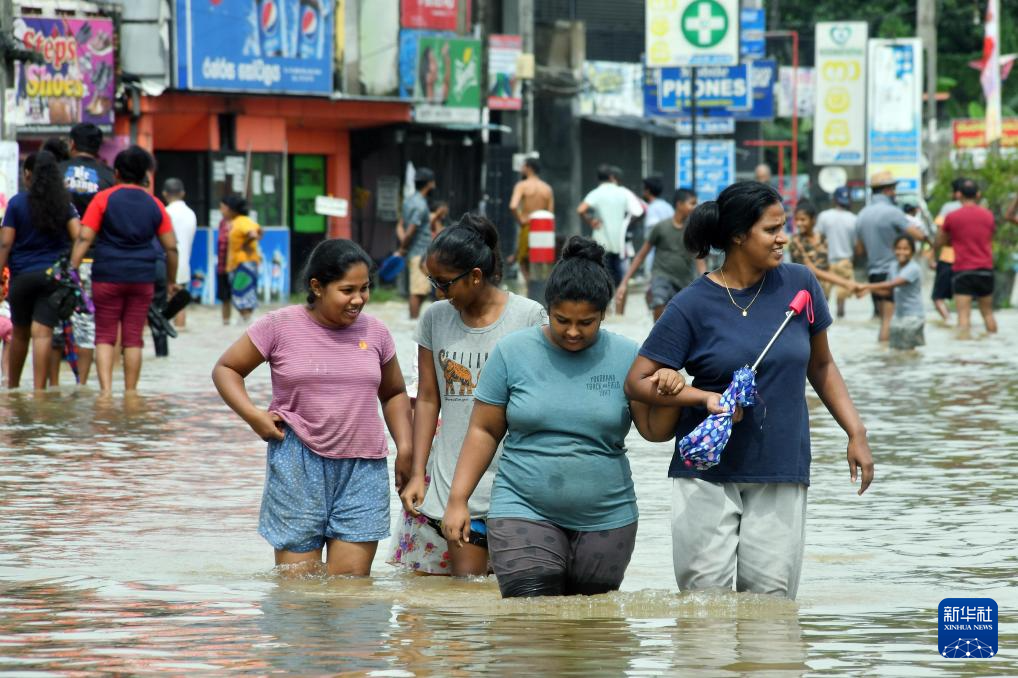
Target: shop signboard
{"x": 611, "y": 88}
{"x": 763, "y": 77}
{"x": 715, "y": 166}
{"x": 971, "y": 133}
{"x": 839, "y": 129}
{"x": 894, "y": 111}
{"x": 504, "y": 89}
{"x": 436, "y": 15}
{"x": 753, "y": 26}
{"x": 278, "y": 46}
{"x": 716, "y": 87}
{"x": 75, "y": 82}
{"x": 692, "y": 33}
{"x": 447, "y": 80}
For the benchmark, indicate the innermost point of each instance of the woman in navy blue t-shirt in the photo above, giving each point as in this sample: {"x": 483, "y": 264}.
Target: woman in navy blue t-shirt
{"x": 38, "y": 227}
{"x": 742, "y": 522}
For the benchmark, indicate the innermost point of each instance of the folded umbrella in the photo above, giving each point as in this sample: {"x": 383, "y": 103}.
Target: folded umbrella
{"x": 701, "y": 448}
{"x": 176, "y": 303}
{"x": 160, "y": 324}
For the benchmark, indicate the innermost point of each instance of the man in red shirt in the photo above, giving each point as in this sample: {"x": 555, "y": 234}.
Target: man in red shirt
{"x": 969, "y": 230}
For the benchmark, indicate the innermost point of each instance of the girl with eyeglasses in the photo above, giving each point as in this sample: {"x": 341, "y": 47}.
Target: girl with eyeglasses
{"x": 455, "y": 337}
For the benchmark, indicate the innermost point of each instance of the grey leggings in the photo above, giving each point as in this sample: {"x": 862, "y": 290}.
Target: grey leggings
{"x": 532, "y": 558}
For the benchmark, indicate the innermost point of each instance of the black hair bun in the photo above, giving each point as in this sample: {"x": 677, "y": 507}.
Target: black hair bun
{"x": 482, "y": 227}
{"x": 579, "y": 247}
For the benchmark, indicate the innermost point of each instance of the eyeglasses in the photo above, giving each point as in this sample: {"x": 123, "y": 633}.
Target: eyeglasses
{"x": 443, "y": 287}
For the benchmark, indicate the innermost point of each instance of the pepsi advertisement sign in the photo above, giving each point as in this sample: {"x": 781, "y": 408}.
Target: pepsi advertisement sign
{"x": 266, "y": 46}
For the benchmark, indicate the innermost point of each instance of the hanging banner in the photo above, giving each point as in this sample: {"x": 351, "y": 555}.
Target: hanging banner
{"x": 255, "y": 46}
{"x": 894, "y": 111}
{"x": 504, "y": 90}
{"x": 611, "y": 88}
{"x": 436, "y": 15}
{"x": 839, "y": 128}
{"x": 715, "y": 166}
{"x": 448, "y": 80}
{"x": 716, "y": 87}
{"x": 692, "y": 33}
{"x": 74, "y": 84}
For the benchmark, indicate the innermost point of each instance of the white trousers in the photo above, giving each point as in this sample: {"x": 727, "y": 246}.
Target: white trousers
{"x": 749, "y": 534}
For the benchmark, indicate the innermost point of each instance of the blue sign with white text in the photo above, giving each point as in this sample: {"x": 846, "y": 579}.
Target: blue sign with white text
{"x": 715, "y": 166}
{"x": 967, "y": 628}
{"x": 752, "y": 25}
{"x": 282, "y": 46}
{"x": 763, "y": 76}
{"x": 716, "y": 87}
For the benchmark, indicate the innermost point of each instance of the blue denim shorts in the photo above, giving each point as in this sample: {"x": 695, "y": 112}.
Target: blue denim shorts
{"x": 309, "y": 498}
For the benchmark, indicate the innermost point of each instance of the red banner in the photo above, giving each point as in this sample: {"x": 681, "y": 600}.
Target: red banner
{"x": 971, "y": 133}
{"x": 437, "y": 15}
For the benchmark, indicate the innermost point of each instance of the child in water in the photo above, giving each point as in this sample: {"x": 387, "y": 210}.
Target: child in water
{"x": 909, "y": 316}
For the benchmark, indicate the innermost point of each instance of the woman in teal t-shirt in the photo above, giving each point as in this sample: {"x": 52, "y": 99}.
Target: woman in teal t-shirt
{"x": 563, "y": 511}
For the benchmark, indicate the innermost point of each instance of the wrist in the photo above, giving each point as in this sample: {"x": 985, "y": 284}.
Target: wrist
{"x": 856, "y": 433}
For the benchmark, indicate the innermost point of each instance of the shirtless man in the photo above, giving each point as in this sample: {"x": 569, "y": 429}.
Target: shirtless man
{"x": 529, "y": 195}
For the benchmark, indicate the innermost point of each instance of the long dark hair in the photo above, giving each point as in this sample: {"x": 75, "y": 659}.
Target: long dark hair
{"x": 715, "y": 223}
{"x": 48, "y": 199}
{"x": 471, "y": 243}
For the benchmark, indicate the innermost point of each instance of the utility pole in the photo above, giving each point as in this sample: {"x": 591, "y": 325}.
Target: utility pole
{"x": 527, "y": 33}
{"x": 926, "y": 23}
{"x": 6, "y": 30}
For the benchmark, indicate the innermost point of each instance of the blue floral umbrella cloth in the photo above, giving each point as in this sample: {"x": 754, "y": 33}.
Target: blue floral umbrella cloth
{"x": 701, "y": 448}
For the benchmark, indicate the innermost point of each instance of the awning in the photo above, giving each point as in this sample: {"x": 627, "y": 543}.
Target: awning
{"x": 634, "y": 123}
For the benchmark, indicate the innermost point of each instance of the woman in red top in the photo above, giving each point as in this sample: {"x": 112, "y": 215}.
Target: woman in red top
{"x": 123, "y": 222}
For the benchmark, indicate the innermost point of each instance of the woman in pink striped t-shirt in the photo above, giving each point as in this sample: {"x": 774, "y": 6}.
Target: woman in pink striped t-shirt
{"x": 326, "y": 481}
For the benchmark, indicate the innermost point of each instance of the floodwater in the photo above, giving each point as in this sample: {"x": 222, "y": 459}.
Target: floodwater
{"x": 128, "y": 541}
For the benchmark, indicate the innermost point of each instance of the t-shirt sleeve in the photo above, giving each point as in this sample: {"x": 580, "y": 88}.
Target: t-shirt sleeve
{"x": 262, "y": 334}
{"x": 72, "y": 211}
{"x": 910, "y": 273}
{"x": 93, "y": 218}
{"x": 166, "y": 225}
{"x": 423, "y": 333}
{"x": 493, "y": 384}
{"x": 10, "y": 216}
{"x": 669, "y": 340}
{"x": 821, "y": 312}
{"x": 386, "y": 344}
{"x": 538, "y": 316}
{"x": 900, "y": 222}
{"x": 654, "y": 238}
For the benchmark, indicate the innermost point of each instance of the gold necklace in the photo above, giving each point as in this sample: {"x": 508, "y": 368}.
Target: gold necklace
{"x": 745, "y": 311}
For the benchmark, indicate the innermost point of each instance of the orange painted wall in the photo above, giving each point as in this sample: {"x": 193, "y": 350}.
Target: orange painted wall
{"x": 261, "y": 135}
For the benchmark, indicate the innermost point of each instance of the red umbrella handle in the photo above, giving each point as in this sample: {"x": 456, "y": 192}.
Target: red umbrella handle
{"x": 802, "y": 300}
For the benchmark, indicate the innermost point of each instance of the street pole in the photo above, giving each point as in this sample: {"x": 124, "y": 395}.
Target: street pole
{"x": 692, "y": 132}
{"x": 6, "y": 27}
{"x": 527, "y": 33}
{"x": 926, "y": 23}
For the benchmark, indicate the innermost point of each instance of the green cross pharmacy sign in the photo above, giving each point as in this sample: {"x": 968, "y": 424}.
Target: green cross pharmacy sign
{"x": 692, "y": 33}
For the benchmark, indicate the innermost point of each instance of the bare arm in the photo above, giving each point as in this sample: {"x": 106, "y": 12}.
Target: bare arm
{"x": 86, "y": 236}
{"x": 826, "y": 379}
{"x": 426, "y": 410}
{"x": 228, "y": 375}
{"x": 635, "y": 266}
{"x": 514, "y": 202}
{"x": 396, "y": 411}
{"x": 885, "y": 286}
{"x": 169, "y": 242}
{"x": 655, "y": 424}
{"x": 7, "y": 235}
{"x": 73, "y": 228}
{"x": 486, "y": 430}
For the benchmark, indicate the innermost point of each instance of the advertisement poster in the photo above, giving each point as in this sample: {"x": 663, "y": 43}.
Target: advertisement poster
{"x": 448, "y": 80}
{"x": 753, "y": 41}
{"x": 839, "y": 129}
{"x": 282, "y": 46}
{"x": 805, "y": 91}
{"x": 715, "y": 166}
{"x": 76, "y": 82}
{"x": 763, "y": 77}
{"x": 611, "y": 88}
{"x": 8, "y": 173}
{"x": 504, "y": 90}
{"x": 692, "y": 33}
{"x": 894, "y": 115}
{"x": 436, "y": 15}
